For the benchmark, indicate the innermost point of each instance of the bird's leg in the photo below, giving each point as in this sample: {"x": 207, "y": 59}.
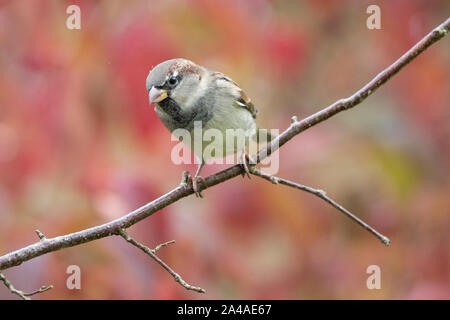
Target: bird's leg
{"x": 196, "y": 179}
{"x": 244, "y": 161}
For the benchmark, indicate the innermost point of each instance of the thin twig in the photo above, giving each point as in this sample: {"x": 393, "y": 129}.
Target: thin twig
{"x": 165, "y": 244}
{"x": 40, "y": 234}
{"x": 23, "y": 295}
{"x": 42, "y": 289}
{"x": 185, "y": 189}
{"x": 321, "y": 194}
{"x": 151, "y": 253}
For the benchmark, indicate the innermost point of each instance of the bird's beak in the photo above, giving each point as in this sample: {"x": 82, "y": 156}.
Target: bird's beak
{"x": 157, "y": 95}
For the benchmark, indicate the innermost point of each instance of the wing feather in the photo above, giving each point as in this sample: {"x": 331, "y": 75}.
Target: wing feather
{"x": 242, "y": 101}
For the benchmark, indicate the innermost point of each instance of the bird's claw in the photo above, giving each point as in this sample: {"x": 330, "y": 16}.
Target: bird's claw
{"x": 244, "y": 161}
{"x": 187, "y": 179}
{"x": 196, "y": 181}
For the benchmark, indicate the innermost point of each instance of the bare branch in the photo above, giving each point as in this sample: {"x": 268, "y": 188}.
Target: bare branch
{"x": 42, "y": 289}
{"x": 151, "y": 253}
{"x": 165, "y": 244}
{"x": 23, "y": 295}
{"x": 115, "y": 227}
{"x": 321, "y": 194}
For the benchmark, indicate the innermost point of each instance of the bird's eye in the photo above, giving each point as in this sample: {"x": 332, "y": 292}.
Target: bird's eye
{"x": 173, "y": 81}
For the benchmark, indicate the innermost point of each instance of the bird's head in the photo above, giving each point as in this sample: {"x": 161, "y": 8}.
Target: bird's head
{"x": 176, "y": 79}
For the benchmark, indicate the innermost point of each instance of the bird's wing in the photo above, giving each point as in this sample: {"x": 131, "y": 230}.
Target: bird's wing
{"x": 242, "y": 101}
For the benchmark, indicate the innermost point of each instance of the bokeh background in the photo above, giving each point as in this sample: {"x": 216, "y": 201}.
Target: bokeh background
{"x": 80, "y": 146}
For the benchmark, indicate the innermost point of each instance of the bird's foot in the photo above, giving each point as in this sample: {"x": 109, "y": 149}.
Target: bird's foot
{"x": 196, "y": 181}
{"x": 187, "y": 179}
{"x": 245, "y": 161}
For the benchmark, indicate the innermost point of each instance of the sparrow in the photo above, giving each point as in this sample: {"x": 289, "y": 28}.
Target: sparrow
{"x": 185, "y": 94}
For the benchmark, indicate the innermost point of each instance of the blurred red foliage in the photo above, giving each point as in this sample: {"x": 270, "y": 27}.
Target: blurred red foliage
{"x": 80, "y": 146}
